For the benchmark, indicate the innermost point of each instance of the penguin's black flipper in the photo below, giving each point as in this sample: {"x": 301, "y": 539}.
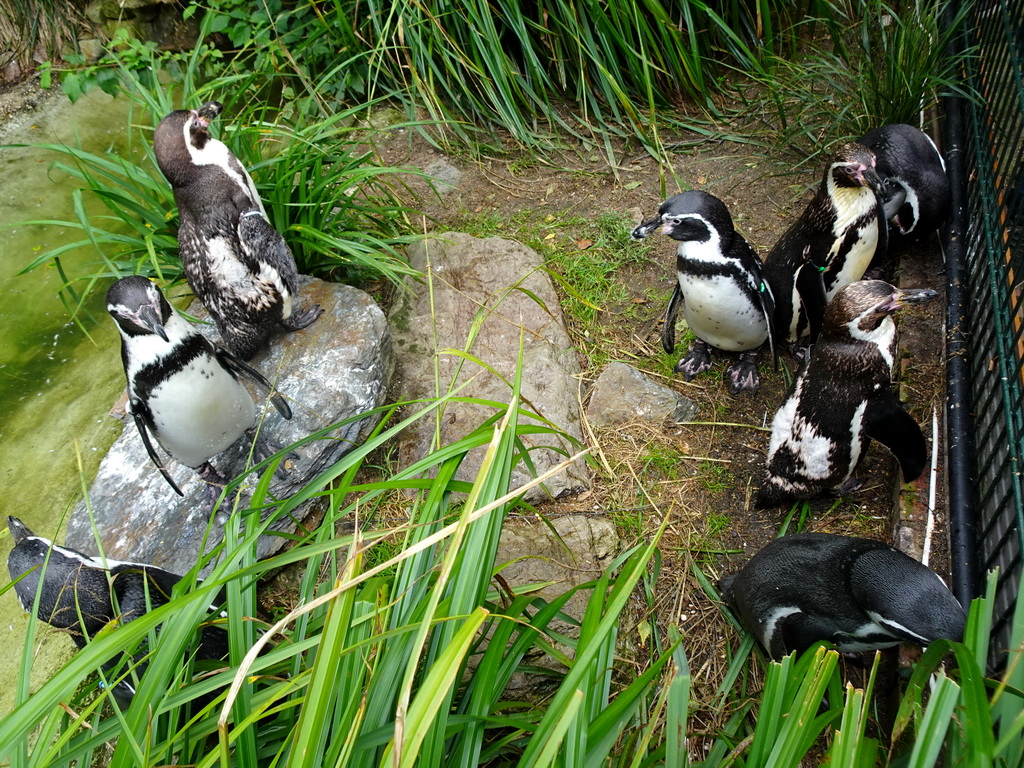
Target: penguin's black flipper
{"x": 811, "y": 286}
{"x": 668, "y": 328}
{"x": 263, "y": 246}
{"x": 232, "y": 363}
{"x": 882, "y": 193}
{"x": 886, "y": 421}
{"x": 143, "y": 427}
{"x": 768, "y": 308}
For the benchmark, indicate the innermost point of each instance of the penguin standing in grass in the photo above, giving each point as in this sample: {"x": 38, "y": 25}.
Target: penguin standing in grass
{"x": 916, "y": 192}
{"x": 183, "y": 389}
{"x": 830, "y": 246}
{"x": 858, "y": 594}
{"x": 81, "y": 594}
{"x": 842, "y": 398}
{"x": 236, "y": 262}
{"x": 718, "y": 283}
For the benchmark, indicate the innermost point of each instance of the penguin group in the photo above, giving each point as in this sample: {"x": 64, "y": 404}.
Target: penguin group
{"x": 813, "y": 295}
{"x": 186, "y": 394}
{"x": 184, "y": 390}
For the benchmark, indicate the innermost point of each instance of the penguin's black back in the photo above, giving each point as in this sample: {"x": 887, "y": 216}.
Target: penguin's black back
{"x": 907, "y": 153}
{"x": 842, "y": 589}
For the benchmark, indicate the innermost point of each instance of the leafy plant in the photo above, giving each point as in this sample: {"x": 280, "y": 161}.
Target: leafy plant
{"x": 325, "y": 195}
{"x": 876, "y": 63}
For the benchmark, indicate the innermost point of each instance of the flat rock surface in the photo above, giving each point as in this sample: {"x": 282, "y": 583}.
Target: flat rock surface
{"x": 623, "y": 394}
{"x": 488, "y": 295}
{"x": 337, "y": 368}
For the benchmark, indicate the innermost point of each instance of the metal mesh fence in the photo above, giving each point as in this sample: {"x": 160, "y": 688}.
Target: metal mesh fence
{"x": 994, "y": 160}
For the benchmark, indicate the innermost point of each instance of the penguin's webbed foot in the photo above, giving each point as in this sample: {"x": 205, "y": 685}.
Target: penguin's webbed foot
{"x": 801, "y": 353}
{"x": 263, "y": 448}
{"x": 852, "y": 484}
{"x": 696, "y": 362}
{"x": 215, "y": 483}
{"x": 742, "y": 374}
{"x": 303, "y": 318}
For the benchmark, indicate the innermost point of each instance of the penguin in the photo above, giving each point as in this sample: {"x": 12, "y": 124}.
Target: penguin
{"x": 183, "y": 389}
{"x": 718, "y": 283}
{"x": 916, "y": 196}
{"x": 842, "y": 398}
{"x": 236, "y": 262}
{"x": 858, "y": 594}
{"x": 830, "y": 246}
{"x": 80, "y": 595}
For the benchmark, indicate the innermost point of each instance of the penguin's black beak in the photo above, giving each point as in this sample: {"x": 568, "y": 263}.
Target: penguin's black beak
{"x": 149, "y": 318}
{"x": 19, "y": 531}
{"x": 870, "y": 178}
{"x": 645, "y": 228}
{"x": 909, "y": 296}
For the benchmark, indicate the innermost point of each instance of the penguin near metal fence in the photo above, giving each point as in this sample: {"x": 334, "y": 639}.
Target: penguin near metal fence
{"x": 841, "y": 399}
{"x": 80, "y": 595}
{"x": 916, "y": 193}
{"x": 726, "y": 303}
{"x": 858, "y": 594}
{"x": 182, "y": 388}
{"x": 236, "y": 262}
{"x": 830, "y": 246}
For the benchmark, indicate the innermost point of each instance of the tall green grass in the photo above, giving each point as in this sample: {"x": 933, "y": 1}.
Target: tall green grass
{"x": 539, "y": 71}
{"x": 406, "y": 661}
{"x": 867, "y": 63}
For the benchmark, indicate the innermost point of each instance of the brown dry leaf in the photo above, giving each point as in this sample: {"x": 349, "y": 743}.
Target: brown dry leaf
{"x": 584, "y": 244}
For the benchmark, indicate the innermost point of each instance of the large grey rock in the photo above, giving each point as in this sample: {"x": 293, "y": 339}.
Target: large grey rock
{"x": 337, "y": 368}
{"x": 623, "y": 394}
{"x": 499, "y": 279}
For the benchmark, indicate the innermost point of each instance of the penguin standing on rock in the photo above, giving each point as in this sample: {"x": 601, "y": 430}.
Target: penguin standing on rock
{"x": 183, "y": 389}
{"x": 81, "y": 594}
{"x": 859, "y": 594}
{"x": 718, "y": 282}
{"x": 236, "y": 262}
{"x": 830, "y": 246}
{"x": 916, "y": 194}
{"x": 841, "y": 398}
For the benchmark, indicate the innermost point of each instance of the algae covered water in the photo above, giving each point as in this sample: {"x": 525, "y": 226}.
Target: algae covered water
{"x": 57, "y": 384}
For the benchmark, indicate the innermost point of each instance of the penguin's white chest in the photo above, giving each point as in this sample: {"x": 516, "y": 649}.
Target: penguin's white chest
{"x": 720, "y": 313}
{"x": 200, "y": 411}
{"x": 855, "y": 209}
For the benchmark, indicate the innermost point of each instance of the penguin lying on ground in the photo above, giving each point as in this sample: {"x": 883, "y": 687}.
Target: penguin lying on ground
{"x": 841, "y": 398}
{"x": 859, "y": 594}
{"x": 830, "y": 246}
{"x": 181, "y": 387}
{"x": 236, "y": 262}
{"x": 916, "y": 194}
{"x": 718, "y": 281}
{"x": 82, "y": 594}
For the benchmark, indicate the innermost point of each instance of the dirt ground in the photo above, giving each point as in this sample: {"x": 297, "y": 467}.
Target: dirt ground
{"x": 703, "y": 475}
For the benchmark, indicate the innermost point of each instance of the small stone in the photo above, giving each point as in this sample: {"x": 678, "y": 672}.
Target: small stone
{"x": 623, "y": 394}
{"x": 444, "y": 176}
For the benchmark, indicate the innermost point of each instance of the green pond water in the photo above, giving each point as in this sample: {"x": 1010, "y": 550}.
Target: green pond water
{"x": 57, "y": 385}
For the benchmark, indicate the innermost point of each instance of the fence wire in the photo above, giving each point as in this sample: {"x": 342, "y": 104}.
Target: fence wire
{"x": 994, "y": 145}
